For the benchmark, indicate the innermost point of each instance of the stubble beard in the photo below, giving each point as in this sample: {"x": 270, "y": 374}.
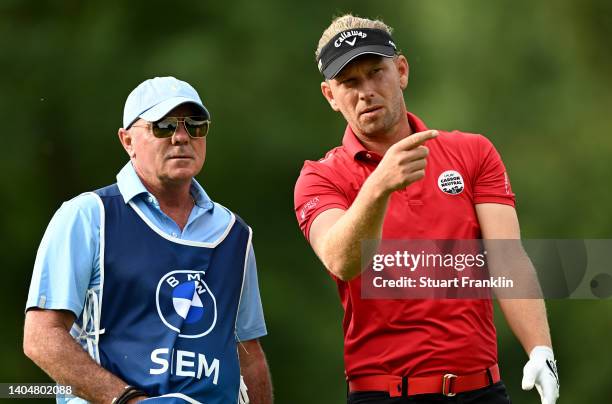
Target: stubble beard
{"x": 383, "y": 125}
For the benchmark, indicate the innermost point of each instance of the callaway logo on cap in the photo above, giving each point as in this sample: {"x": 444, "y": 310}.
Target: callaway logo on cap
{"x": 349, "y": 44}
{"x": 349, "y": 34}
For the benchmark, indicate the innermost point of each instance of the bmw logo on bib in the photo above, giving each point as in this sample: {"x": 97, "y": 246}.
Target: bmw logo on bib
{"x": 185, "y": 304}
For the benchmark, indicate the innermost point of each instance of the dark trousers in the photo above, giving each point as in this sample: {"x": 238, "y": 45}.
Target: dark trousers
{"x": 494, "y": 394}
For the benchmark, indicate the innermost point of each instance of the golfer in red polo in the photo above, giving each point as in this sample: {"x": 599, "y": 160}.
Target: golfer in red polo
{"x": 393, "y": 178}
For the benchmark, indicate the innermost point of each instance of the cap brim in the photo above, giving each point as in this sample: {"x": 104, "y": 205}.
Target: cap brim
{"x": 337, "y": 65}
{"x": 160, "y": 110}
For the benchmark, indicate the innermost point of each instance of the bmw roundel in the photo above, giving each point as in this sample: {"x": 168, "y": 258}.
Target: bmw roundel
{"x": 185, "y": 304}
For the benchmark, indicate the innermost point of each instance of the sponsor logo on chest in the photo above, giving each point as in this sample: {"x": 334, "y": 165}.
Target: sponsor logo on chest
{"x": 451, "y": 182}
{"x": 185, "y": 304}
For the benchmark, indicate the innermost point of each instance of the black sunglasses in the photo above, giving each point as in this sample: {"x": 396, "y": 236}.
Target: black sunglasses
{"x": 196, "y": 126}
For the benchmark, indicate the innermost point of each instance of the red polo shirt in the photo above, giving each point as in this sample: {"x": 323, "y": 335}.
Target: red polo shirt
{"x": 413, "y": 337}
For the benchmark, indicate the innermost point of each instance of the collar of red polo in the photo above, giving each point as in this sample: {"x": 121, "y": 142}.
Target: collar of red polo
{"x": 355, "y": 148}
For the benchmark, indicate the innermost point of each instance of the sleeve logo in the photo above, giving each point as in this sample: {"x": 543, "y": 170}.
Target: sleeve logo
{"x": 311, "y": 204}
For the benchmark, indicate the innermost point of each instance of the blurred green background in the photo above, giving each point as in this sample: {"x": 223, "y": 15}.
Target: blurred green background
{"x": 533, "y": 76}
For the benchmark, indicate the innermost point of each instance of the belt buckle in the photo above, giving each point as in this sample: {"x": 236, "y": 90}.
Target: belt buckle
{"x": 447, "y": 381}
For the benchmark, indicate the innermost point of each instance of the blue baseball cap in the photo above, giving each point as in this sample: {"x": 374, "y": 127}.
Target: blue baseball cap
{"x": 154, "y": 98}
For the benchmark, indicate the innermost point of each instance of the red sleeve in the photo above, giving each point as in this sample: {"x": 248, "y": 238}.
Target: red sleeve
{"x": 492, "y": 184}
{"x": 315, "y": 193}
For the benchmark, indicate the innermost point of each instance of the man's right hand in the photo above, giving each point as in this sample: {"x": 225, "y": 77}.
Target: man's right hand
{"x": 47, "y": 341}
{"x": 336, "y": 234}
{"x": 403, "y": 163}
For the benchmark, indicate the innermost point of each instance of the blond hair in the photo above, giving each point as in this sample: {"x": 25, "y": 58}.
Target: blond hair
{"x": 346, "y": 22}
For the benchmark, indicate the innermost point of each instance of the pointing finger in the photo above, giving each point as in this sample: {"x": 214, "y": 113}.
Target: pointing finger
{"x": 416, "y": 139}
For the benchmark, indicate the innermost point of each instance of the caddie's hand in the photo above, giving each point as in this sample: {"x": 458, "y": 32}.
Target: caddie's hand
{"x": 541, "y": 371}
{"x": 404, "y": 162}
{"x": 243, "y": 397}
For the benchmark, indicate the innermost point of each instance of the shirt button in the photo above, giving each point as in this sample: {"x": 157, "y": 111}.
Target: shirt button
{"x": 368, "y": 155}
{"x": 174, "y": 234}
{"x": 150, "y": 199}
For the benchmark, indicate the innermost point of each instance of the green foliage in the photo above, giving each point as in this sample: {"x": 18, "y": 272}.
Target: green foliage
{"x": 532, "y": 76}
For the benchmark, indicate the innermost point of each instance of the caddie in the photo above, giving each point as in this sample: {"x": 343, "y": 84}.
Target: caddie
{"x": 147, "y": 289}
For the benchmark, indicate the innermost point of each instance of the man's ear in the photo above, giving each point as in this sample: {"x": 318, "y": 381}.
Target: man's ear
{"x": 329, "y": 95}
{"x": 403, "y": 69}
{"x": 127, "y": 141}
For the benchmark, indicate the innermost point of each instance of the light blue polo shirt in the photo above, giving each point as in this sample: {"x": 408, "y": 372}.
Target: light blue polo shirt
{"x": 67, "y": 265}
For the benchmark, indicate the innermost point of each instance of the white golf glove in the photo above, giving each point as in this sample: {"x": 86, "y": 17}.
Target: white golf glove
{"x": 541, "y": 370}
{"x": 243, "y": 397}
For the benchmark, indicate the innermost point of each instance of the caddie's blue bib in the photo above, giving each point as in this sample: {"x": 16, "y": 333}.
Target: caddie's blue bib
{"x": 169, "y": 306}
